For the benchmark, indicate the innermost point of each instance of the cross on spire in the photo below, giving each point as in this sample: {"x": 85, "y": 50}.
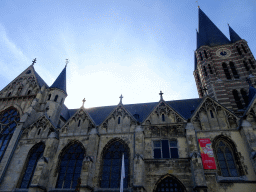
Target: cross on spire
{"x": 83, "y": 101}
{"x": 67, "y": 61}
{"x": 121, "y": 98}
{"x": 161, "y": 95}
{"x": 34, "y": 61}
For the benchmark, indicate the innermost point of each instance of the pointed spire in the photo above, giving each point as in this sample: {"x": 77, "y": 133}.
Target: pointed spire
{"x": 233, "y": 35}
{"x": 208, "y": 33}
{"x": 60, "y": 82}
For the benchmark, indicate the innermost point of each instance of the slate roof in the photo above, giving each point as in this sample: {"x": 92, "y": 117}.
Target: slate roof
{"x": 40, "y": 81}
{"x": 208, "y": 33}
{"x": 184, "y": 107}
{"x": 60, "y": 82}
{"x": 233, "y": 35}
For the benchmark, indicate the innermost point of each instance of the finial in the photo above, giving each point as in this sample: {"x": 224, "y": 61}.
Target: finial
{"x": 228, "y": 24}
{"x": 161, "y": 95}
{"x": 67, "y": 61}
{"x": 83, "y": 101}
{"x": 205, "y": 90}
{"x": 34, "y": 61}
{"x": 196, "y": 30}
{"x": 121, "y": 97}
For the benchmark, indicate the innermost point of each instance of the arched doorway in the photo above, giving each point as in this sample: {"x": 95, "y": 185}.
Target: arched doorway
{"x": 170, "y": 184}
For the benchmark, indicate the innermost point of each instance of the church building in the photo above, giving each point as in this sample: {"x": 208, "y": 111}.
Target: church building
{"x": 205, "y": 144}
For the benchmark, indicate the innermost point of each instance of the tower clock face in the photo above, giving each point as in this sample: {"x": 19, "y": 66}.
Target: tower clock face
{"x": 223, "y": 53}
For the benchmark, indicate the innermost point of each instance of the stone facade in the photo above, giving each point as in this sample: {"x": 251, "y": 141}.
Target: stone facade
{"x": 160, "y": 141}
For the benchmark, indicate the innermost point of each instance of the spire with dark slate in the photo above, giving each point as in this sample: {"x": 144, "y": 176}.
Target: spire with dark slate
{"x": 208, "y": 33}
{"x": 60, "y": 82}
{"x": 233, "y": 35}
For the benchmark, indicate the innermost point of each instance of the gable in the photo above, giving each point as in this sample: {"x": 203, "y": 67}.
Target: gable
{"x": 212, "y": 115}
{"x": 41, "y": 128}
{"x": 27, "y": 83}
{"x": 118, "y": 119}
{"x": 170, "y": 115}
{"x": 80, "y": 120}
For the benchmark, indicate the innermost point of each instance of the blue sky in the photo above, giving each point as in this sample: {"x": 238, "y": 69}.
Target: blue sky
{"x": 134, "y": 48}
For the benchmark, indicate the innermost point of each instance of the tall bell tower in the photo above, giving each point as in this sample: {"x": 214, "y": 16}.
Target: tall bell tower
{"x": 223, "y": 67}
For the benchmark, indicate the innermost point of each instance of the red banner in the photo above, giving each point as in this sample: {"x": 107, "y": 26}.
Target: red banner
{"x": 207, "y": 153}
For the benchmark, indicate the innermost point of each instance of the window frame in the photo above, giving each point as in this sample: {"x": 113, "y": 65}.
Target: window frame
{"x": 238, "y": 165}
{"x": 64, "y": 152}
{"x": 161, "y": 148}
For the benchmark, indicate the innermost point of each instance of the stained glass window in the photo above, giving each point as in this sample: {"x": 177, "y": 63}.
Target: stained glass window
{"x": 8, "y": 122}
{"x": 70, "y": 166}
{"x": 226, "y": 160}
{"x": 35, "y": 154}
{"x": 112, "y": 162}
{"x": 165, "y": 149}
{"x": 169, "y": 184}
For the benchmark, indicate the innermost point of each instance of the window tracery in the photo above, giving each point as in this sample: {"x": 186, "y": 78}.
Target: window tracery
{"x": 35, "y": 154}
{"x": 112, "y": 162}
{"x": 227, "y": 159}
{"x": 8, "y": 123}
{"x": 70, "y": 166}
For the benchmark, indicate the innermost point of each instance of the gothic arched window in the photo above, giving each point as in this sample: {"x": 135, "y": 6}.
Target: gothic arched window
{"x": 246, "y": 66}
{"x": 238, "y": 50}
{"x": 49, "y": 97}
{"x": 112, "y": 162}
{"x": 56, "y": 98}
{"x": 70, "y": 166}
{"x": 244, "y": 95}
{"x": 163, "y": 117}
{"x": 233, "y": 69}
{"x": 243, "y": 48}
{"x": 201, "y": 57}
{"x": 205, "y": 71}
{"x": 8, "y": 123}
{"x": 205, "y": 54}
{"x": 237, "y": 99}
{"x": 35, "y": 154}
{"x": 226, "y": 158}
{"x": 210, "y": 68}
{"x": 225, "y": 68}
{"x": 169, "y": 184}
{"x": 119, "y": 120}
{"x": 252, "y": 64}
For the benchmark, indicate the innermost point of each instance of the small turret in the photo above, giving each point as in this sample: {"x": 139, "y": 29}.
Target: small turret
{"x": 56, "y": 97}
